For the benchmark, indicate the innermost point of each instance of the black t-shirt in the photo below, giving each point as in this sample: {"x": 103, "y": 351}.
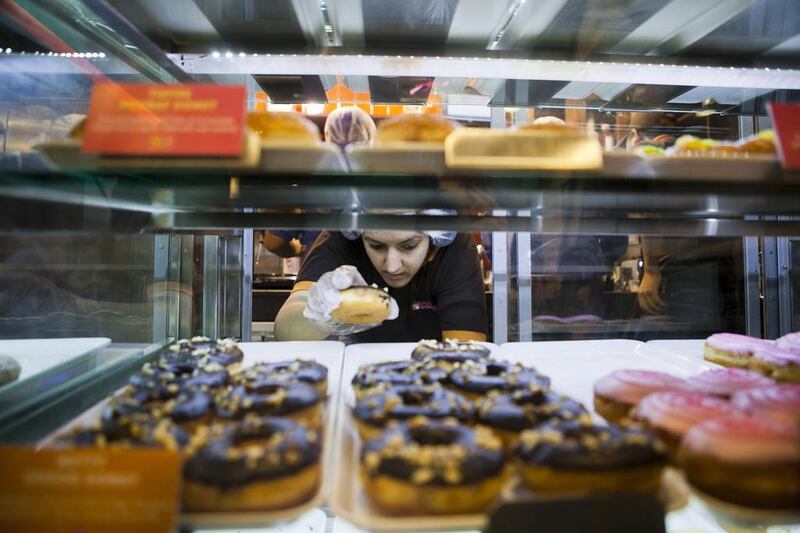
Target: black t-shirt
{"x": 445, "y": 295}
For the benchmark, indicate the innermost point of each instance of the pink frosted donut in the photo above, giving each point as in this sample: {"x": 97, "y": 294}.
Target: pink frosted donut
{"x": 616, "y": 393}
{"x": 745, "y": 460}
{"x": 779, "y": 402}
{"x": 730, "y": 349}
{"x": 671, "y": 414}
{"x": 724, "y": 382}
{"x": 790, "y": 342}
{"x": 779, "y": 364}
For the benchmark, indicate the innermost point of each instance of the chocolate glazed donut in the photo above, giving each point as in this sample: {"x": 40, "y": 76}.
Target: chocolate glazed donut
{"x": 432, "y": 467}
{"x": 147, "y": 432}
{"x": 203, "y": 350}
{"x": 301, "y": 371}
{"x": 375, "y": 411}
{"x": 396, "y": 373}
{"x": 474, "y": 380}
{"x": 260, "y": 463}
{"x": 297, "y": 401}
{"x": 449, "y": 353}
{"x": 509, "y": 414}
{"x": 577, "y": 455}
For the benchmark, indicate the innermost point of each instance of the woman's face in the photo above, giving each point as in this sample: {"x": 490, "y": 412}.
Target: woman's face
{"x": 396, "y": 255}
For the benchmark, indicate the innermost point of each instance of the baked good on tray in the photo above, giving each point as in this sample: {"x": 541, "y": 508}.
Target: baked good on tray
{"x": 511, "y": 413}
{"x": 375, "y": 411}
{"x": 725, "y": 382}
{"x": 449, "y": 353}
{"x": 669, "y": 415}
{"x": 296, "y": 401}
{"x": 293, "y": 371}
{"x": 746, "y": 461}
{"x": 474, "y": 380}
{"x": 617, "y": 393}
{"x": 380, "y": 376}
{"x": 576, "y": 455}
{"x": 260, "y": 463}
{"x": 731, "y": 349}
{"x": 779, "y": 364}
{"x": 283, "y": 127}
{"x": 780, "y": 402}
{"x": 432, "y": 467}
{"x": 415, "y": 127}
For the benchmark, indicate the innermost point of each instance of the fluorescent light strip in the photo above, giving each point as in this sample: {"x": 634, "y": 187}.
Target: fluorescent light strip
{"x": 465, "y": 67}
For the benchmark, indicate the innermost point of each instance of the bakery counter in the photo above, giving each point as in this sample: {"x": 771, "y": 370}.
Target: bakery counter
{"x": 129, "y": 200}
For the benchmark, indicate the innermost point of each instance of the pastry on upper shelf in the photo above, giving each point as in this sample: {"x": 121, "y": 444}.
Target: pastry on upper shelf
{"x": 416, "y": 127}
{"x": 617, "y": 393}
{"x": 283, "y": 127}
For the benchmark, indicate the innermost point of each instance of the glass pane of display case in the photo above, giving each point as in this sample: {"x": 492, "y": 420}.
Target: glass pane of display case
{"x": 604, "y": 172}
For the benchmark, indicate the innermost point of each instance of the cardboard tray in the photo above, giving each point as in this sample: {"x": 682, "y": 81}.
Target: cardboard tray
{"x": 328, "y": 353}
{"x": 68, "y": 154}
{"x": 348, "y": 500}
{"x": 398, "y": 158}
{"x": 306, "y": 159}
{"x": 751, "y": 169}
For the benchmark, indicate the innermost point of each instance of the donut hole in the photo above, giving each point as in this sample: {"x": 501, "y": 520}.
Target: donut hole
{"x": 494, "y": 369}
{"x": 415, "y": 397}
{"x": 266, "y": 388}
{"x": 438, "y": 436}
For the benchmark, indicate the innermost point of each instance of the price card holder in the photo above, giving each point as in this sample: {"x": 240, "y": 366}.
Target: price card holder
{"x": 786, "y": 122}
{"x": 88, "y": 490}
{"x": 598, "y": 513}
{"x": 192, "y": 120}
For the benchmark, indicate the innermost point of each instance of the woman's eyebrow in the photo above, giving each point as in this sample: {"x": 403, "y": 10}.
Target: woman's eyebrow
{"x": 409, "y": 241}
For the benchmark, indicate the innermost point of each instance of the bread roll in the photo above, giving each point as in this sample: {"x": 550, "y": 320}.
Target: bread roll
{"x": 283, "y": 127}
{"x": 416, "y": 127}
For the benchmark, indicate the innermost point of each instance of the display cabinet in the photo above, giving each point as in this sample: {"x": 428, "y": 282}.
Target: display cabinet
{"x": 103, "y": 264}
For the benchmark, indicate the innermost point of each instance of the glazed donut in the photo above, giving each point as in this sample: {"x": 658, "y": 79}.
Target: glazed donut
{"x": 780, "y": 402}
{"x": 781, "y": 365}
{"x": 148, "y": 433}
{"x": 449, "y": 353}
{"x": 189, "y": 408}
{"x": 509, "y": 414}
{"x": 370, "y": 378}
{"x": 296, "y": 371}
{"x": 375, "y": 411}
{"x": 432, "y": 467}
{"x": 669, "y": 415}
{"x": 362, "y": 305}
{"x": 297, "y": 401}
{"x": 575, "y": 455}
{"x": 289, "y": 128}
{"x": 475, "y": 380}
{"x": 617, "y": 393}
{"x": 166, "y": 380}
{"x": 202, "y": 351}
{"x": 730, "y": 349}
{"x": 260, "y": 463}
{"x": 745, "y": 461}
{"x": 790, "y": 342}
{"x": 724, "y": 382}
{"x": 415, "y": 127}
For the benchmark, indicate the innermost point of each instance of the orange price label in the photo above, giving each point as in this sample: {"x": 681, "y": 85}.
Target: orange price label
{"x": 786, "y": 121}
{"x": 88, "y": 490}
{"x": 140, "y": 119}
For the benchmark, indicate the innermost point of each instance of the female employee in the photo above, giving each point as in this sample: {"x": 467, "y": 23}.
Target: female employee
{"x": 433, "y": 277}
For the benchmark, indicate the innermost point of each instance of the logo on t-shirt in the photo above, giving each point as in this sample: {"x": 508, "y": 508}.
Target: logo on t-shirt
{"x": 422, "y": 305}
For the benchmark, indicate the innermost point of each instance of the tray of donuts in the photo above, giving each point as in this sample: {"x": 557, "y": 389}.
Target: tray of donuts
{"x": 734, "y": 434}
{"x": 433, "y": 435}
{"x": 251, "y": 420}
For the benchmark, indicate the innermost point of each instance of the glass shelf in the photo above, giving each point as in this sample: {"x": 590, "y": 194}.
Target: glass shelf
{"x": 539, "y": 203}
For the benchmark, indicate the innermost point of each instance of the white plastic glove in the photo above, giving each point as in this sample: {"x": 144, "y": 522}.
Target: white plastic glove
{"x": 323, "y": 298}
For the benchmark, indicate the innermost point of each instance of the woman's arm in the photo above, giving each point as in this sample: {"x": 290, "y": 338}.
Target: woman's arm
{"x": 291, "y": 325}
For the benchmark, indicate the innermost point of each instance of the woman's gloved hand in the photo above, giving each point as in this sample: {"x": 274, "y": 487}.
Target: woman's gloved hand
{"x": 323, "y": 298}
